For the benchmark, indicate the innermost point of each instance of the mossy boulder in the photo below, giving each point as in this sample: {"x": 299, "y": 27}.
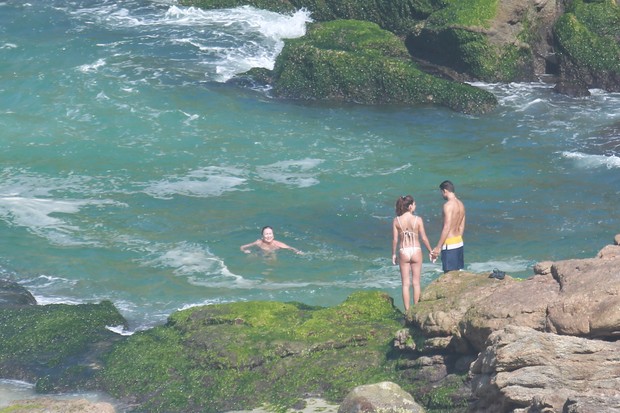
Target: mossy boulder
{"x": 56, "y": 346}
{"x": 588, "y": 38}
{"x": 355, "y": 61}
{"x": 488, "y": 40}
{"x": 247, "y": 354}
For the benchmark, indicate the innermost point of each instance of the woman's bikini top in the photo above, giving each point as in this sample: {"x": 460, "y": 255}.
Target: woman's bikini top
{"x": 409, "y": 237}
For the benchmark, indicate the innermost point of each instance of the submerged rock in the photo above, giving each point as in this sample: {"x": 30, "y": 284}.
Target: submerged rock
{"x": 11, "y": 293}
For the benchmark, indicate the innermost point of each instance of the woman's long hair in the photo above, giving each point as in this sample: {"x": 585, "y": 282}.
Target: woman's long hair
{"x": 402, "y": 204}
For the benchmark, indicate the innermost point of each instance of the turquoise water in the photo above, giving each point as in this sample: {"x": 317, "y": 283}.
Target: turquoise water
{"x": 132, "y": 172}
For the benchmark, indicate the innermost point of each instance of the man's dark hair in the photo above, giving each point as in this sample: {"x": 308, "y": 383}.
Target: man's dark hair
{"x": 447, "y": 185}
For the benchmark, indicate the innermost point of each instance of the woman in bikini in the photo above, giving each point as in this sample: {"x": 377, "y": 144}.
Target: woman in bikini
{"x": 409, "y": 228}
{"x": 268, "y": 243}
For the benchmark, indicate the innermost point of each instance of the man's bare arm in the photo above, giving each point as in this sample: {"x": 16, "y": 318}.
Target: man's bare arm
{"x": 447, "y": 225}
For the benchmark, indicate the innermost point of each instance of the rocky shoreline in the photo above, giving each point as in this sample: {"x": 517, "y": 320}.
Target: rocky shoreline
{"x": 421, "y": 52}
{"x": 475, "y": 344}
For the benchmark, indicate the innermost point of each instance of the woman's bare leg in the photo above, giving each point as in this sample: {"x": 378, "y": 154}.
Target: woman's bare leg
{"x": 416, "y": 270}
{"x": 404, "y": 275}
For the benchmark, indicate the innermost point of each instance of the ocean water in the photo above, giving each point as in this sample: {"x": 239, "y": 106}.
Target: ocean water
{"x": 131, "y": 171}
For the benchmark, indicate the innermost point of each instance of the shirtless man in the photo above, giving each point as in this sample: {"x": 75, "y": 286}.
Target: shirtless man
{"x": 268, "y": 243}
{"x": 451, "y": 240}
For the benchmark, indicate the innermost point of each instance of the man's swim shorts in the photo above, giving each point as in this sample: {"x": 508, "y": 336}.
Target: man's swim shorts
{"x": 452, "y": 254}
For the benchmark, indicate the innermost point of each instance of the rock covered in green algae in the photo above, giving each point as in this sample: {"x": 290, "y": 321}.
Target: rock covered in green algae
{"x": 57, "y": 345}
{"x": 489, "y": 40}
{"x": 481, "y": 39}
{"x": 588, "y": 38}
{"x": 356, "y": 61}
{"x": 243, "y": 355}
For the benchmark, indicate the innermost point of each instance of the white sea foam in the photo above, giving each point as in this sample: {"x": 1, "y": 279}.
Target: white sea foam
{"x": 269, "y": 24}
{"x": 188, "y": 259}
{"x": 93, "y": 67}
{"x": 50, "y": 299}
{"x": 120, "y": 330}
{"x": 291, "y": 172}
{"x": 223, "y": 41}
{"x": 586, "y": 161}
{"x": 206, "y": 302}
{"x": 531, "y": 103}
{"x": 11, "y": 390}
{"x": 39, "y": 215}
{"x": 204, "y": 182}
{"x": 44, "y": 288}
{"x": 45, "y": 281}
{"x": 32, "y": 201}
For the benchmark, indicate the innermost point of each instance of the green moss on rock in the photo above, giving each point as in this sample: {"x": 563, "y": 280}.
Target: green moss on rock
{"x": 242, "y": 355}
{"x": 459, "y": 37}
{"x": 589, "y": 35}
{"x": 51, "y": 344}
{"x": 470, "y": 13}
{"x": 359, "y": 62}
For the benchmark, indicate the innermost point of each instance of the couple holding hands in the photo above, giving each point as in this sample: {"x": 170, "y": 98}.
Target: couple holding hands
{"x": 409, "y": 229}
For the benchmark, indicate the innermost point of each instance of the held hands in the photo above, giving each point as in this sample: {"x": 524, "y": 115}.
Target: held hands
{"x": 433, "y": 255}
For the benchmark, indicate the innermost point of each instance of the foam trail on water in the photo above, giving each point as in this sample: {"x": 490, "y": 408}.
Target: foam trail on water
{"x": 292, "y": 172}
{"x": 587, "y": 161}
{"x": 188, "y": 259}
{"x": 269, "y": 24}
{"x": 222, "y": 42}
{"x": 202, "y": 183}
{"x": 37, "y": 214}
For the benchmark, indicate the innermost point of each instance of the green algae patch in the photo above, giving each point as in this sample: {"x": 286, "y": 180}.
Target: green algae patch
{"x": 244, "y": 355}
{"x": 588, "y": 34}
{"x": 463, "y": 31}
{"x": 57, "y": 346}
{"x": 355, "y": 61}
{"x": 470, "y": 13}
